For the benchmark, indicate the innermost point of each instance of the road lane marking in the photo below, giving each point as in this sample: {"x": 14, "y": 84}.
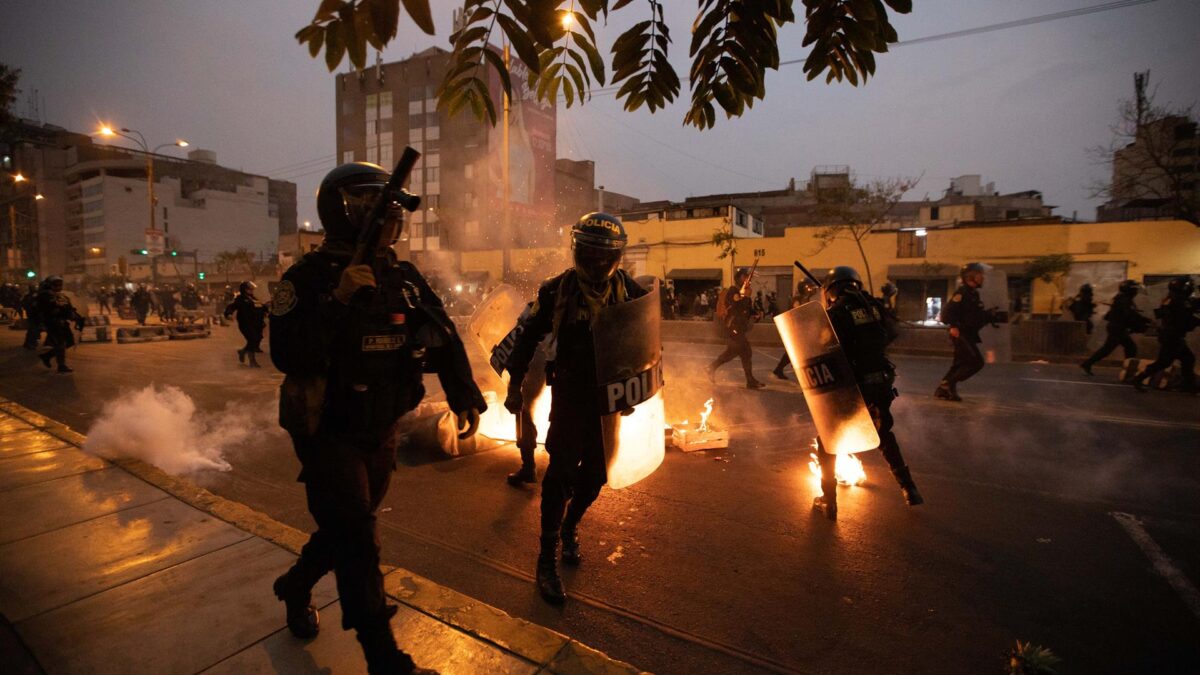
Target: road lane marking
{"x": 1094, "y": 384}
{"x": 1162, "y": 562}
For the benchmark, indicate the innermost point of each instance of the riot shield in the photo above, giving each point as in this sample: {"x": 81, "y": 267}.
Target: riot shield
{"x": 629, "y": 376}
{"x": 838, "y": 411}
{"x": 996, "y": 340}
{"x": 493, "y": 320}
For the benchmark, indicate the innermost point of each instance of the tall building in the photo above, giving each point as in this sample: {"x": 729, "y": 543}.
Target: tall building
{"x": 93, "y": 217}
{"x": 461, "y": 174}
{"x": 1157, "y": 175}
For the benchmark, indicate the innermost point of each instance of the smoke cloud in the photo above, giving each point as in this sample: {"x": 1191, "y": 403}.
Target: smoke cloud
{"x": 163, "y": 427}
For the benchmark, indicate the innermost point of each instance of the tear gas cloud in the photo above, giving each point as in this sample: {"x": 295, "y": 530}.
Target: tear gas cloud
{"x": 163, "y": 427}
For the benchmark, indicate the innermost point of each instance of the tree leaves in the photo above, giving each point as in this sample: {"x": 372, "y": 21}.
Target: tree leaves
{"x": 640, "y": 61}
{"x": 733, "y": 44}
{"x": 844, "y": 34}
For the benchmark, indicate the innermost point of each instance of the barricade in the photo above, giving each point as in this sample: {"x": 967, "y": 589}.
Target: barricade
{"x": 95, "y": 333}
{"x": 142, "y": 334}
{"x": 189, "y": 332}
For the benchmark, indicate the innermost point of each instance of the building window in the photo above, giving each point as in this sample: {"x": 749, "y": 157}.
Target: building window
{"x": 469, "y": 171}
{"x": 372, "y": 110}
{"x": 909, "y": 245}
{"x": 431, "y": 174}
{"x": 433, "y": 201}
{"x": 416, "y": 93}
{"x": 935, "y": 213}
{"x": 431, "y": 120}
{"x": 385, "y": 105}
{"x": 373, "y": 154}
{"x": 432, "y": 229}
{"x": 416, "y": 121}
{"x": 347, "y": 157}
{"x": 434, "y": 145}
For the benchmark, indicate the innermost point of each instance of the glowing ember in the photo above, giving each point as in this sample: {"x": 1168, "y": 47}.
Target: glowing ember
{"x": 848, "y": 470}
{"x": 499, "y": 424}
{"x": 708, "y": 405}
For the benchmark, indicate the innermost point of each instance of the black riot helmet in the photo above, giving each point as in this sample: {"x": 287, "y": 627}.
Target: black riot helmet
{"x": 247, "y": 287}
{"x": 597, "y": 241}
{"x": 1181, "y": 287}
{"x": 969, "y": 271}
{"x": 346, "y": 196}
{"x": 1128, "y": 287}
{"x": 839, "y": 280}
{"x": 53, "y": 283}
{"x": 1085, "y": 289}
{"x": 888, "y": 289}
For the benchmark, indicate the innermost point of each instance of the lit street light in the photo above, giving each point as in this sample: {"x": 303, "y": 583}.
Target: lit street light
{"x": 124, "y": 132}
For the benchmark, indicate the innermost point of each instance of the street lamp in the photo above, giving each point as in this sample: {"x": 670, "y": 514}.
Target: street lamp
{"x": 125, "y": 132}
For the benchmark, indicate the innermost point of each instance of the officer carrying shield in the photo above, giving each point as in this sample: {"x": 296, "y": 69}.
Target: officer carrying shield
{"x": 965, "y": 315}
{"x": 251, "y": 315}
{"x": 1178, "y": 314}
{"x": 354, "y": 341}
{"x": 567, "y": 306}
{"x": 1123, "y": 318}
{"x": 864, "y": 329}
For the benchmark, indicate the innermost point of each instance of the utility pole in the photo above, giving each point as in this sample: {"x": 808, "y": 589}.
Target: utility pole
{"x": 506, "y": 222}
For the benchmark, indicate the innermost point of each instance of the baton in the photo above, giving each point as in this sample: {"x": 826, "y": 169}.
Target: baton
{"x": 807, "y": 273}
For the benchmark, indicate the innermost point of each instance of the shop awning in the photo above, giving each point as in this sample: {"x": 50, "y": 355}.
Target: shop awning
{"x": 695, "y": 274}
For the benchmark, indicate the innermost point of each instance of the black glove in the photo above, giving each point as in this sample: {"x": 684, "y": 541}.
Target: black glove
{"x": 514, "y": 401}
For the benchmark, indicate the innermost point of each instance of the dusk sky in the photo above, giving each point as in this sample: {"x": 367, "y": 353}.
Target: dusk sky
{"x": 1020, "y": 106}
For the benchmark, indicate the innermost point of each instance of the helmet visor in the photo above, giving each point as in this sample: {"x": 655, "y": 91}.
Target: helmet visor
{"x": 358, "y": 200}
{"x": 594, "y": 264}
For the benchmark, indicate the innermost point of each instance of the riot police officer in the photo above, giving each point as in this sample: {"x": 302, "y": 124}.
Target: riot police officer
{"x": 567, "y": 306}
{"x": 33, "y": 323}
{"x": 965, "y": 315}
{"x": 251, "y": 317}
{"x": 804, "y": 293}
{"x": 141, "y": 302}
{"x": 1083, "y": 306}
{"x": 864, "y": 328}
{"x": 1178, "y": 314}
{"x": 1123, "y": 319}
{"x": 57, "y": 314}
{"x": 735, "y": 316}
{"x": 353, "y": 341}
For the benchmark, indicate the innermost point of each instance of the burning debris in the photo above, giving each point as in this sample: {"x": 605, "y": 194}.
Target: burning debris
{"x": 847, "y": 471}
{"x": 691, "y": 437}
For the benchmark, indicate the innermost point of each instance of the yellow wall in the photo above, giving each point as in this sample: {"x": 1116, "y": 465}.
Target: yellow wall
{"x": 1149, "y": 247}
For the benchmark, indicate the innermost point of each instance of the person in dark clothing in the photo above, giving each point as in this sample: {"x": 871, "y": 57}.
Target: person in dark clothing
{"x": 804, "y": 293}
{"x": 166, "y": 303}
{"x": 1178, "y": 314}
{"x": 120, "y": 297}
{"x": 102, "y": 297}
{"x": 1083, "y": 306}
{"x": 864, "y": 328}
{"x": 965, "y": 315}
{"x": 1123, "y": 319}
{"x": 189, "y": 298}
{"x": 33, "y": 323}
{"x": 531, "y": 390}
{"x": 58, "y": 316}
{"x": 735, "y": 317}
{"x": 567, "y": 305}
{"x": 354, "y": 341}
{"x": 251, "y": 318}
{"x": 141, "y": 302}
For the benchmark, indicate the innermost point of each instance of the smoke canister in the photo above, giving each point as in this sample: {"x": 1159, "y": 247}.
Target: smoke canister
{"x": 827, "y": 380}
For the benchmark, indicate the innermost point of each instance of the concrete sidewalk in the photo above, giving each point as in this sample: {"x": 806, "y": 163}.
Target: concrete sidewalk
{"x": 118, "y": 568}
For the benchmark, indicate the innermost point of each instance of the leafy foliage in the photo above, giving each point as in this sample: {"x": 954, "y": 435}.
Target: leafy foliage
{"x": 1029, "y": 659}
{"x": 1050, "y": 268}
{"x": 733, "y": 44}
{"x": 8, "y": 92}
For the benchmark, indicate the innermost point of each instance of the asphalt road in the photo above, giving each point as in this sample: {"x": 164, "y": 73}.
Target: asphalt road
{"x": 1060, "y": 510}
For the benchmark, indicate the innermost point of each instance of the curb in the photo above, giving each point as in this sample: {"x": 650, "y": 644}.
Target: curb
{"x": 554, "y": 652}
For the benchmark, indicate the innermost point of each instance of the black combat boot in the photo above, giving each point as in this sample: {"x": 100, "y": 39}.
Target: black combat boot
{"x": 548, "y": 583}
{"x": 1086, "y": 367}
{"x": 778, "y": 372}
{"x": 826, "y": 504}
{"x": 907, "y": 487}
{"x": 946, "y": 391}
{"x": 1139, "y": 382}
{"x": 62, "y": 368}
{"x": 253, "y": 361}
{"x": 46, "y": 358}
{"x": 570, "y": 544}
{"x": 241, "y": 356}
{"x": 526, "y": 474}
{"x": 753, "y": 383}
{"x": 383, "y": 656}
{"x": 302, "y": 617}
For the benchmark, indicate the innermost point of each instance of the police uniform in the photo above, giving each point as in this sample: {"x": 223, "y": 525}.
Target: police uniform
{"x": 1177, "y": 316}
{"x": 865, "y": 328}
{"x": 250, "y": 319}
{"x": 57, "y": 315}
{"x": 965, "y": 312}
{"x": 353, "y": 366}
{"x": 735, "y": 320}
{"x": 1123, "y": 319}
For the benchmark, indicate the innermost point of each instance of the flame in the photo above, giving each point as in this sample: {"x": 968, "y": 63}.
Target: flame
{"x": 708, "y": 407}
{"x": 848, "y": 470}
{"x": 499, "y": 424}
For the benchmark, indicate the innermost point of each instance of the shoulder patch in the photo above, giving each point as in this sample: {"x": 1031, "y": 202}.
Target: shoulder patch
{"x": 284, "y": 299}
{"x": 957, "y": 297}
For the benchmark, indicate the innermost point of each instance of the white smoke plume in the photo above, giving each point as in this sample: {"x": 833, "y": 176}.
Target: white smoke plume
{"x": 163, "y": 427}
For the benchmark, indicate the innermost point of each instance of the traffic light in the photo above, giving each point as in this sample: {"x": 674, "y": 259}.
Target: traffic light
{"x": 200, "y": 276}
{"x": 174, "y": 253}
{"x": 140, "y": 251}
{"x": 30, "y": 274}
